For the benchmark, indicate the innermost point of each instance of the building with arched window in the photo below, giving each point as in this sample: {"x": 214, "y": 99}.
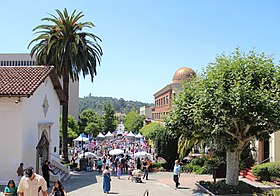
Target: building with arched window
{"x": 163, "y": 98}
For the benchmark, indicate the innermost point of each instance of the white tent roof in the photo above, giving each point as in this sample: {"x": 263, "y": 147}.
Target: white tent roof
{"x": 138, "y": 135}
{"x": 130, "y": 134}
{"x": 109, "y": 134}
{"x": 80, "y": 138}
{"x": 100, "y": 135}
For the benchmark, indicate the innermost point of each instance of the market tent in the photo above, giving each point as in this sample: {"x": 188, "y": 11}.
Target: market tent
{"x": 138, "y": 136}
{"x": 100, "y": 136}
{"x": 130, "y": 135}
{"x": 109, "y": 135}
{"x": 81, "y": 138}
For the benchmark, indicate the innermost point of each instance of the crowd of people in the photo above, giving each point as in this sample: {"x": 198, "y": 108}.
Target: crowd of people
{"x": 31, "y": 183}
{"x": 133, "y": 157}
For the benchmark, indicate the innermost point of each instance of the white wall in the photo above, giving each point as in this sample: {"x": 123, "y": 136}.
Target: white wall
{"x": 275, "y": 147}
{"x": 20, "y": 131}
{"x": 10, "y": 138}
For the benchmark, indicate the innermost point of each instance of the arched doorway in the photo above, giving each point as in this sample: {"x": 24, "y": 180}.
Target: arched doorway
{"x": 42, "y": 151}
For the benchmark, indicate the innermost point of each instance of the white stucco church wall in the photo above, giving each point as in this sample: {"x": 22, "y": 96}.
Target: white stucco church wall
{"x": 21, "y": 128}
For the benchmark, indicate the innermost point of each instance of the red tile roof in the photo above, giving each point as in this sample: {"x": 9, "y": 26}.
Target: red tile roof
{"x": 24, "y": 80}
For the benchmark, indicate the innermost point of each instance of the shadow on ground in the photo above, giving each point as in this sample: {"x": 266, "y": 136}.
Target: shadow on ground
{"x": 76, "y": 181}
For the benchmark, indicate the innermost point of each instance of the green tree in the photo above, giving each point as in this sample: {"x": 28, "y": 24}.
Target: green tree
{"x": 235, "y": 101}
{"x": 133, "y": 121}
{"x": 166, "y": 145}
{"x": 150, "y": 130}
{"x": 109, "y": 119}
{"x": 71, "y": 50}
{"x": 93, "y": 128}
{"x": 73, "y": 128}
{"x": 88, "y": 117}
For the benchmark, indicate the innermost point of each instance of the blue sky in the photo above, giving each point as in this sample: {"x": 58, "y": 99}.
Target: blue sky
{"x": 146, "y": 41}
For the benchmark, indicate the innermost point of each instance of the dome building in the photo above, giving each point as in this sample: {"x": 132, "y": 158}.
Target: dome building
{"x": 163, "y": 103}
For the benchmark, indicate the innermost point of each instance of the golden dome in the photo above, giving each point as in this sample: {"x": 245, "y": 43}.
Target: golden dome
{"x": 182, "y": 74}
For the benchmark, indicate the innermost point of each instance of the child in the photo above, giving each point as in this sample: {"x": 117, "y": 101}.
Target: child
{"x": 119, "y": 171}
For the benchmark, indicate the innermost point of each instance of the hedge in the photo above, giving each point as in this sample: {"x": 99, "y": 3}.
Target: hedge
{"x": 266, "y": 170}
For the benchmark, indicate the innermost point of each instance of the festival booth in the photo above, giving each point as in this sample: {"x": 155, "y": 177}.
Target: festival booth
{"x": 100, "y": 136}
{"x": 138, "y": 136}
{"x": 109, "y": 136}
{"x": 82, "y": 138}
{"x": 130, "y": 136}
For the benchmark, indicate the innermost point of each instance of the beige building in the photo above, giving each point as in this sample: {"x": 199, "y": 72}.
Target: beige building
{"x": 163, "y": 98}
{"x": 24, "y": 59}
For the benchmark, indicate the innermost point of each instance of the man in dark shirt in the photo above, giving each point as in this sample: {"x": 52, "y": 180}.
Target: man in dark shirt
{"x": 46, "y": 172}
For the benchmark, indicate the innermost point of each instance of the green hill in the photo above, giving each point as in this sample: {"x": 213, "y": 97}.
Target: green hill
{"x": 120, "y": 105}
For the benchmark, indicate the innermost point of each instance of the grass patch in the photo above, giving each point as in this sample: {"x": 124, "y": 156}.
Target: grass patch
{"x": 222, "y": 188}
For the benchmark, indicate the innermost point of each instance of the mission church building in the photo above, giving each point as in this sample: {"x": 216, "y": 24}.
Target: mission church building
{"x": 30, "y": 99}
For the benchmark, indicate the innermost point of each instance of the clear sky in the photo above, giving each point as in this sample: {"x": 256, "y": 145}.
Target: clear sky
{"x": 146, "y": 41}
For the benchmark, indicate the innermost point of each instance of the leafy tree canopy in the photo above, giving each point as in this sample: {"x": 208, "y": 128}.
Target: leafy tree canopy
{"x": 120, "y": 105}
{"x": 133, "y": 121}
{"x": 150, "y": 130}
{"x": 235, "y": 100}
{"x": 109, "y": 119}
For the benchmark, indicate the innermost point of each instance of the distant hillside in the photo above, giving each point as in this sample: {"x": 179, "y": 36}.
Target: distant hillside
{"x": 120, "y": 105}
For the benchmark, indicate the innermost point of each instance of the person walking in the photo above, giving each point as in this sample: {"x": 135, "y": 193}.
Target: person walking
{"x": 20, "y": 171}
{"x": 145, "y": 169}
{"x": 106, "y": 180}
{"x": 46, "y": 172}
{"x": 176, "y": 174}
{"x": 32, "y": 184}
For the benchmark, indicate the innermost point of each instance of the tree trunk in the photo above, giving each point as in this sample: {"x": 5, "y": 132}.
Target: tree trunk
{"x": 65, "y": 115}
{"x": 232, "y": 175}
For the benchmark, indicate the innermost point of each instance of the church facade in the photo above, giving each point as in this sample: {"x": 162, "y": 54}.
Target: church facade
{"x": 30, "y": 99}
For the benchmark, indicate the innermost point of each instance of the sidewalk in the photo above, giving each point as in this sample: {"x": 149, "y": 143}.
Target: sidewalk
{"x": 161, "y": 183}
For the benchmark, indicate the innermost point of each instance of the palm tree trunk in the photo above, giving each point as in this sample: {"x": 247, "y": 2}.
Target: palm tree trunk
{"x": 65, "y": 115}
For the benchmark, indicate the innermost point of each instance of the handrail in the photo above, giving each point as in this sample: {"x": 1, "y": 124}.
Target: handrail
{"x": 264, "y": 161}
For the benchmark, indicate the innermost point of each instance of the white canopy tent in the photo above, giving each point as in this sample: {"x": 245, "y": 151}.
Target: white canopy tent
{"x": 138, "y": 136}
{"x": 80, "y": 138}
{"x": 130, "y": 135}
{"x": 100, "y": 136}
{"x": 109, "y": 135}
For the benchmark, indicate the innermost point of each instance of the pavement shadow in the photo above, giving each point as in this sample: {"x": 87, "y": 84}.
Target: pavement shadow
{"x": 79, "y": 179}
{"x": 112, "y": 193}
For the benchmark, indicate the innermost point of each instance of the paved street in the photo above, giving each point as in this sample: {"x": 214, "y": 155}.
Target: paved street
{"x": 161, "y": 184}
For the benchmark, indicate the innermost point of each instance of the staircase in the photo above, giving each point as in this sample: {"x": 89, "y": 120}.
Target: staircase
{"x": 60, "y": 172}
{"x": 247, "y": 173}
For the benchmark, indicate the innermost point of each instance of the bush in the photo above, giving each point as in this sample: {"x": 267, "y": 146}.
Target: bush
{"x": 265, "y": 171}
{"x": 156, "y": 165}
{"x": 198, "y": 161}
{"x": 261, "y": 172}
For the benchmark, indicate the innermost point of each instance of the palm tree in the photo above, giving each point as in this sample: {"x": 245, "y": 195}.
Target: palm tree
{"x": 71, "y": 51}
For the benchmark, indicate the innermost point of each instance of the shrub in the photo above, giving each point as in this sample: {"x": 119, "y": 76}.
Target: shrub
{"x": 156, "y": 165}
{"x": 267, "y": 170}
{"x": 198, "y": 161}
{"x": 261, "y": 172}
